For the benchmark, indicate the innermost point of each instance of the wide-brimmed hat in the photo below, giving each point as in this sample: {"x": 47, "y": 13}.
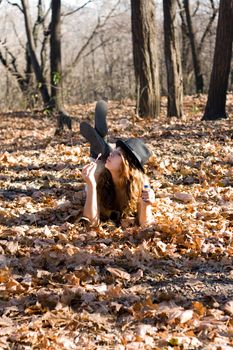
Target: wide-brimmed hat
{"x": 136, "y": 150}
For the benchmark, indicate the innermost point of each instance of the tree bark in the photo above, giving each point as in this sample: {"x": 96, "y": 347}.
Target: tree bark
{"x": 173, "y": 61}
{"x": 56, "y": 68}
{"x": 216, "y": 103}
{"x": 145, "y": 57}
{"x": 195, "y": 55}
{"x": 35, "y": 64}
{"x": 55, "y": 55}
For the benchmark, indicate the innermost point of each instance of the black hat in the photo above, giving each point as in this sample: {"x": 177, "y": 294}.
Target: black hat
{"x": 136, "y": 150}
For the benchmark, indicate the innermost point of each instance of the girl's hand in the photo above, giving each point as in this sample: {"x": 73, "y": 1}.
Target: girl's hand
{"x": 148, "y": 196}
{"x": 88, "y": 173}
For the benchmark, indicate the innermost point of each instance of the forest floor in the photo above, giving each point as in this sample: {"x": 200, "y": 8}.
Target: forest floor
{"x": 167, "y": 286}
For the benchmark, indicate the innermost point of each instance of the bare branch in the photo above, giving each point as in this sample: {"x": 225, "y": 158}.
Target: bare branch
{"x": 97, "y": 27}
{"x": 46, "y": 14}
{"x": 196, "y": 9}
{"x": 15, "y": 4}
{"x": 13, "y": 58}
{"x": 208, "y": 27}
{"x": 183, "y": 21}
{"x": 86, "y": 44}
{"x": 76, "y": 10}
{"x": 88, "y": 54}
{"x": 38, "y": 22}
{"x": 12, "y": 67}
{"x": 43, "y": 49}
{"x": 212, "y": 3}
{"x": 21, "y": 44}
{"x": 98, "y": 46}
{"x": 35, "y": 63}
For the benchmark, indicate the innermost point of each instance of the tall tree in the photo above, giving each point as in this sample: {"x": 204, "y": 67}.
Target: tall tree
{"x": 216, "y": 103}
{"x": 53, "y": 101}
{"x": 195, "y": 55}
{"x": 9, "y": 60}
{"x": 211, "y": 10}
{"x": 173, "y": 60}
{"x": 145, "y": 57}
{"x": 32, "y": 50}
{"x": 55, "y": 54}
{"x": 56, "y": 69}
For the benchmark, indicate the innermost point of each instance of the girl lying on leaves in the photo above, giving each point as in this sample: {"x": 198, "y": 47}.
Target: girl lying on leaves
{"x": 116, "y": 185}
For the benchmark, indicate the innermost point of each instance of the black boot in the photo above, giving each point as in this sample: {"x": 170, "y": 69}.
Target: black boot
{"x": 98, "y": 145}
{"x": 101, "y": 110}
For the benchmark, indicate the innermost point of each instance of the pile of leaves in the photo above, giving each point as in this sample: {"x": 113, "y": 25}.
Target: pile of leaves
{"x": 166, "y": 286}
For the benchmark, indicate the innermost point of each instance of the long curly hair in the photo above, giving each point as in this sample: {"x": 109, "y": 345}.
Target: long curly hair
{"x": 125, "y": 197}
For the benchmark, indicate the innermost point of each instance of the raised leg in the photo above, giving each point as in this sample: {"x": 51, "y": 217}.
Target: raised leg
{"x": 101, "y": 110}
{"x": 97, "y": 143}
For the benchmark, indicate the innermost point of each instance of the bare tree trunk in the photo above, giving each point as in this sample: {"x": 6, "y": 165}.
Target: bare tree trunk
{"x": 26, "y": 81}
{"x": 36, "y": 67}
{"x": 173, "y": 61}
{"x": 195, "y": 56}
{"x": 56, "y": 69}
{"x": 55, "y": 55}
{"x": 216, "y": 103}
{"x": 184, "y": 47}
{"x": 145, "y": 57}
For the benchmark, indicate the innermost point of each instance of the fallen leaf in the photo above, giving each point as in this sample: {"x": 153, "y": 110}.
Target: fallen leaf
{"x": 119, "y": 273}
{"x": 184, "y": 197}
{"x": 228, "y": 307}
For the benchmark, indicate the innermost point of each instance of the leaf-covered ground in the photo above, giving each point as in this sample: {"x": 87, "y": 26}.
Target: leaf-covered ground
{"x": 168, "y": 286}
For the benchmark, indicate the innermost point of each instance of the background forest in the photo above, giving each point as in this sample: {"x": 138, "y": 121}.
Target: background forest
{"x": 96, "y": 46}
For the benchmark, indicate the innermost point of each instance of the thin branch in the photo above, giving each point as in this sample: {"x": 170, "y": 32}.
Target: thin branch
{"x": 196, "y": 9}
{"x": 21, "y": 44}
{"x": 65, "y": 73}
{"x": 46, "y": 14}
{"x": 4, "y": 62}
{"x": 43, "y": 48}
{"x": 208, "y": 27}
{"x": 13, "y": 58}
{"x": 12, "y": 68}
{"x": 76, "y": 10}
{"x": 98, "y": 46}
{"x": 97, "y": 27}
{"x": 183, "y": 21}
{"x": 38, "y": 22}
{"x": 15, "y": 4}
{"x": 213, "y": 5}
{"x": 86, "y": 43}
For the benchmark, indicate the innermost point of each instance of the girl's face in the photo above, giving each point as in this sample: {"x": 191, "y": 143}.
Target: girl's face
{"x": 114, "y": 161}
